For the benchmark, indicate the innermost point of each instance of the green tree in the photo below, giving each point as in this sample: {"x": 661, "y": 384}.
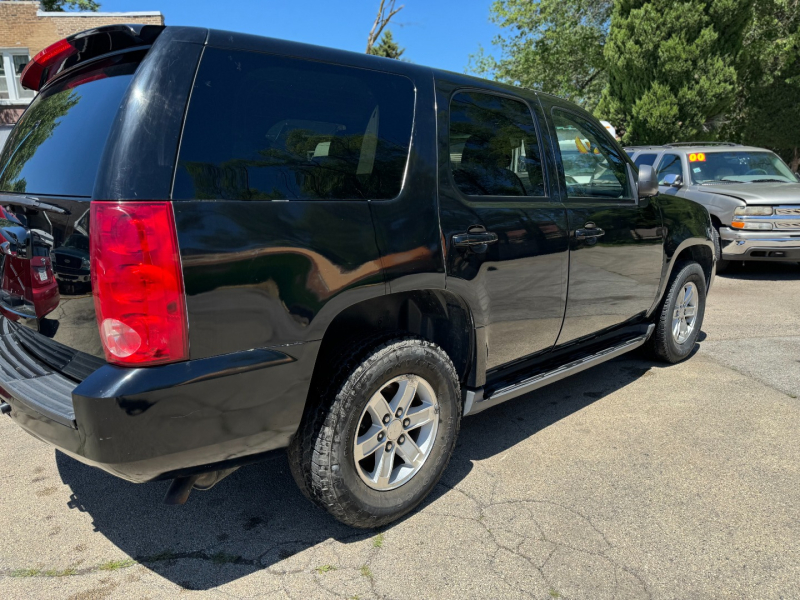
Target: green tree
{"x": 387, "y": 47}
{"x": 673, "y": 67}
{"x": 767, "y": 111}
{"x": 551, "y": 45}
{"x": 62, "y": 5}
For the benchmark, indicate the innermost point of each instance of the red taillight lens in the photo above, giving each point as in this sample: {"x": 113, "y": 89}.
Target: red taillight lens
{"x": 31, "y": 77}
{"x": 137, "y": 283}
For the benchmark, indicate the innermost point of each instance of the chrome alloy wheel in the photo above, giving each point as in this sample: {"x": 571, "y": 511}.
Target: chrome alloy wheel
{"x": 685, "y": 313}
{"x": 396, "y": 432}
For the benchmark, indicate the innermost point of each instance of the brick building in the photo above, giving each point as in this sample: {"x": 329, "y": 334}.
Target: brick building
{"x": 25, "y": 30}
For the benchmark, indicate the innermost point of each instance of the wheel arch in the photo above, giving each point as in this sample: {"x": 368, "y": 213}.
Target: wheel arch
{"x": 436, "y": 315}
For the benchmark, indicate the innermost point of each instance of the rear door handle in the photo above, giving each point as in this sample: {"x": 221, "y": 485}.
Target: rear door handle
{"x": 479, "y": 238}
{"x": 590, "y": 230}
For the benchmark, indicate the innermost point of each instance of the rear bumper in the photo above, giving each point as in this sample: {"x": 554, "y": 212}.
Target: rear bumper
{"x": 759, "y": 245}
{"x": 159, "y": 422}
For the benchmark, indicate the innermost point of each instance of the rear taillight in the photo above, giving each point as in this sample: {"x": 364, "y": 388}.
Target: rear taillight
{"x": 137, "y": 283}
{"x": 31, "y": 77}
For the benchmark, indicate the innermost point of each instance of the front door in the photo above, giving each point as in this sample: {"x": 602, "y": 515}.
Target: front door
{"x": 616, "y": 244}
{"x": 504, "y": 230}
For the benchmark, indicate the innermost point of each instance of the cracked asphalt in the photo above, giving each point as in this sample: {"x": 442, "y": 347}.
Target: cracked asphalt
{"x": 630, "y": 480}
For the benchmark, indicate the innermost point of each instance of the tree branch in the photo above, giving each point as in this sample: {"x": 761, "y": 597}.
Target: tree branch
{"x": 381, "y": 21}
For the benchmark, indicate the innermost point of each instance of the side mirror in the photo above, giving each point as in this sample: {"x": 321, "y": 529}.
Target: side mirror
{"x": 648, "y": 186}
{"x": 797, "y": 174}
{"x": 672, "y": 180}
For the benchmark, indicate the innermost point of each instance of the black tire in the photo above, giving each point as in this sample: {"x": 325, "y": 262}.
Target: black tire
{"x": 722, "y": 265}
{"x": 662, "y": 345}
{"x": 321, "y": 453}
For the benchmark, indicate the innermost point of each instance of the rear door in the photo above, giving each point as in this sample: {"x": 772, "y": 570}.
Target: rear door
{"x": 616, "y": 249}
{"x": 503, "y": 228}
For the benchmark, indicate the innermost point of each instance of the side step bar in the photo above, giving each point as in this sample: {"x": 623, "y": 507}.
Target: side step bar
{"x": 475, "y": 403}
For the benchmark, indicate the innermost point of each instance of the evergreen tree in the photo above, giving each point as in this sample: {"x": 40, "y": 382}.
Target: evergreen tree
{"x": 672, "y": 67}
{"x": 767, "y": 111}
{"x": 387, "y": 47}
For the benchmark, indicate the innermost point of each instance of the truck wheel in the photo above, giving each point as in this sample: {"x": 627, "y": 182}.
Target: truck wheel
{"x": 382, "y": 434}
{"x": 722, "y": 265}
{"x": 681, "y": 316}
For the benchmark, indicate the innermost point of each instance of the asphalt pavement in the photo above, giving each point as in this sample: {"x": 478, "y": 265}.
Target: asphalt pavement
{"x": 630, "y": 480}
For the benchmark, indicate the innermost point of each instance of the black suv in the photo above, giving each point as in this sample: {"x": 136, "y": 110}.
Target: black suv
{"x": 296, "y": 246}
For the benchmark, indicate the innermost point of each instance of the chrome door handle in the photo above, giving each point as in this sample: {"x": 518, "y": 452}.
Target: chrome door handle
{"x": 590, "y": 230}
{"x": 467, "y": 240}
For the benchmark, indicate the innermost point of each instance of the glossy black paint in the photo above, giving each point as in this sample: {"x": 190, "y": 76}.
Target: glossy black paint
{"x": 142, "y": 423}
{"x": 516, "y": 288}
{"x": 275, "y": 288}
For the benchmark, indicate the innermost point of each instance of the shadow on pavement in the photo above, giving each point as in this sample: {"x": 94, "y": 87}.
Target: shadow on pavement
{"x": 762, "y": 271}
{"x": 258, "y": 517}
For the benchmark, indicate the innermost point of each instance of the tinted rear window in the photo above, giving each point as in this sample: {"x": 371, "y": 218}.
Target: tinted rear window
{"x": 264, "y": 127}
{"x": 56, "y": 146}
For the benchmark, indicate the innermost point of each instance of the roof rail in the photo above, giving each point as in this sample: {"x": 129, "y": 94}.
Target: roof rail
{"x": 701, "y": 144}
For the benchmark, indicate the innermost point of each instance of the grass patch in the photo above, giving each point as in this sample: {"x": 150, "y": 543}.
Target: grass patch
{"x": 161, "y": 556}
{"x": 57, "y": 573}
{"x": 325, "y": 569}
{"x": 377, "y": 541}
{"x": 366, "y": 572}
{"x": 25, "y": 573}
{"x": 115, "y": 565}
{"x": 554, "y": 593}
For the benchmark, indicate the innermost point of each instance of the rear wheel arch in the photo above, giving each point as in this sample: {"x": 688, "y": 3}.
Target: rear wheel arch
{"x": 437, "y": 316}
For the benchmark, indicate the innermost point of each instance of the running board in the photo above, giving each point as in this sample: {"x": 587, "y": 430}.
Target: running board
{"x": 542, "y": 379}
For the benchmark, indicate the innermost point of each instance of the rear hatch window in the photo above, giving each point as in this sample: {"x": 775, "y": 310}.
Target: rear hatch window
{"x": 56, "y": 146}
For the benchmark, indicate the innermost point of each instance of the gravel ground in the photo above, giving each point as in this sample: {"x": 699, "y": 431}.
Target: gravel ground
{"x": 631, "y": 480}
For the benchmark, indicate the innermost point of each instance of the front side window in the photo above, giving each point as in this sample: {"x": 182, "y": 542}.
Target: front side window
{"x": 645, "y": 159}
{"x": 493, "y": 147}
{"x": 593, "y": 166}
{"x": 12, "y": 62}
{"x": 265, "y": 127}
{"x": 670, "y": 165}
{"x": 738, "y": 166}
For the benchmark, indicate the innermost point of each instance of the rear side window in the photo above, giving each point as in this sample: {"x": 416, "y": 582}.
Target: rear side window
{"x": 493, "y": 147}
{"x": 265, "y": 127}
{"x": 56, "y": 146}
{"x": 645, "y": 159}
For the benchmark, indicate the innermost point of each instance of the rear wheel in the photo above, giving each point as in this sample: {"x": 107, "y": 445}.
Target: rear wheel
{"x": 382, "y": 436}
{"x": 681, "y": 315}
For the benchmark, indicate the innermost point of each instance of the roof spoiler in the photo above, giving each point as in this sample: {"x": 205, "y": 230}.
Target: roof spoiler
{"x": 83, "y": 47}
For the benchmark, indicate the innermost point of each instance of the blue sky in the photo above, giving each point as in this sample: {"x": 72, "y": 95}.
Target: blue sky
{"x": 436, "y": 33}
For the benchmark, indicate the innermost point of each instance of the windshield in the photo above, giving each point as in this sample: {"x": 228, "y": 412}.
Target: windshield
{"x": 739, "y": 166}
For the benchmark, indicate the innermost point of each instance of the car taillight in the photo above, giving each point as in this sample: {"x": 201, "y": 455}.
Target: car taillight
{"x": 137, "y": 283}
{"x": 31, "y": 77}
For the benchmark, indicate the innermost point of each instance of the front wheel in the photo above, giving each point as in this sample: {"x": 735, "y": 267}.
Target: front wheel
{"x": 382, "y": 434}
{"x": 681, "y": 315}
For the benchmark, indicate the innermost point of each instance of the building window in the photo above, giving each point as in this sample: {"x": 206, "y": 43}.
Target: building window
{"x": 12, "y": 61}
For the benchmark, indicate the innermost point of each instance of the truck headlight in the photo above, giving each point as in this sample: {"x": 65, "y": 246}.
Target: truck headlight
{"x": 754, "y": 211}
{"x": 751, "y": 225}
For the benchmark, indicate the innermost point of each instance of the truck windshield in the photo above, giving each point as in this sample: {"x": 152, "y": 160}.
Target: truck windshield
{"x": 56, "y": 146}
{"x": 739, "y": 167}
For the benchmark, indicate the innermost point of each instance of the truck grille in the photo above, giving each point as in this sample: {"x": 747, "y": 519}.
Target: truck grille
{"x": 788, "y": 211}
